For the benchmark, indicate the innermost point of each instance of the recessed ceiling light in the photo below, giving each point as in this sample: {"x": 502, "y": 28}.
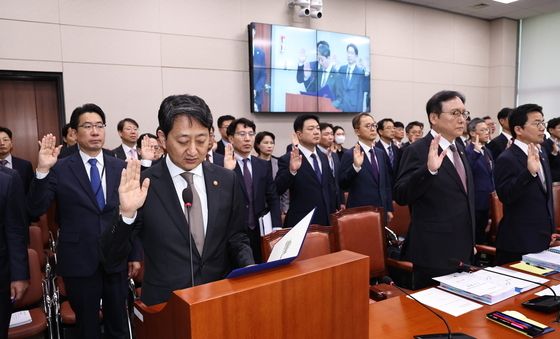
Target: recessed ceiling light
{"x": 505, "y": 1}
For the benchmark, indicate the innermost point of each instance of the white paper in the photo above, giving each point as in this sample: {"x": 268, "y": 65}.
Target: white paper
{"x": 291, "y": 243}
{"x": 265, "y": 224}
{"x": 20, "y": 318}
{"x": 546, "y": 291}
{"x": 518, "y": 275}
{"x": 446, "y": 302}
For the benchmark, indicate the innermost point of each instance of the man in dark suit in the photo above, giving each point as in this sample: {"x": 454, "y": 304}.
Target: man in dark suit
{"x": 306, "y": 173}
{"x": 85, "y": 186}
{"x": 365, "y": 173}
{"x": 386, "y": 131}
{"x": 223, "y": 123}
{"x": 436, "y": 182}
{"x": 21, "y": 166}
{"x": 500, "y": 143}
{"x": 551, "y": 146}
{"x": 128, "y": 132}
{"x": 212, "y": 156}
{"x": 325, "y": 146}
{"x": 353, "y": 82}
{"x": 14, "y": 272}
{"x": 154, "y": 206}
{"x": 329, "y": 84}
{"x": 482, "y": 165}
{"x": 255, "y": 177}
{"x": 524, "y": 186}
{"x": 307, "y": 71}
{"x": 414, "y": 131}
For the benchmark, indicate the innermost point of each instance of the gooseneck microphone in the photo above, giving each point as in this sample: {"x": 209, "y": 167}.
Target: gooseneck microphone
{"x": 448, "y": 335}
{"x": 188, "y": 200}
{"x": 546, "y": 303}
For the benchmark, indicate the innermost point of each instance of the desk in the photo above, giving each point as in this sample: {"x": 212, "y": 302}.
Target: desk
{"x": 402, "y": 317}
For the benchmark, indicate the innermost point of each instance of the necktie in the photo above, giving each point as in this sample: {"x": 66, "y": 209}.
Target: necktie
{"x": 249, "y": 188}
{"x": 316, "y": 167}
{"x": 458, "y": 163}
{"x": 3, "y": 162}
{"x": 487, "y": 157}
{"x": 348, "y": 75}
{"x": 96, "y": 186}
{"x": 133, "y": 154}
{"x": 540, "y": 174}
{"x": 391, "y": 155}
{"x": 196, "y": 221}
{"x": 374, "y": 164}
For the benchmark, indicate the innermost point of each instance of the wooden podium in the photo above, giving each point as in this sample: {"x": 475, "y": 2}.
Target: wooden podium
{"x": 308, "y": 103}
{"x": 323, "y": 297}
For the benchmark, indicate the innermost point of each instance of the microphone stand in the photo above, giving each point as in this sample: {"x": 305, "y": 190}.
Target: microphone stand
{"x": 187, "y": 198}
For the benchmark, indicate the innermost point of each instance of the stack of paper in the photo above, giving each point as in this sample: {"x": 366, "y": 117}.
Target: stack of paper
{"x": 488, "y": 287}
{"x": 548, "y": 258}
{"x": 20, "y": 318}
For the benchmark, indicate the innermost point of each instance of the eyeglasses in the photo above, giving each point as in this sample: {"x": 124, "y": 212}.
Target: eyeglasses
{"x": 89, "y": 126}
{"x": 131, "y": 129}
{"x": 538, "y": 124}
{"x": 370, "y": 126}
{"x": 456, "y": 114}
{"x": 244, "y": 134}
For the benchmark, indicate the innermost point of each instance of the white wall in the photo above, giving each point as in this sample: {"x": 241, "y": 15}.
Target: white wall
{"x": 539, "y": 69}
{"x": 127, "y": 55}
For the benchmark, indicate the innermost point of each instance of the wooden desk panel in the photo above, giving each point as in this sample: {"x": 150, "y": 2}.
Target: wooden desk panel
{"x": 403, "y": 317}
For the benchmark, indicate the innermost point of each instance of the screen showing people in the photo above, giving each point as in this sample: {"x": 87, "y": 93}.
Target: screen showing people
{"x": 305, "y": 70}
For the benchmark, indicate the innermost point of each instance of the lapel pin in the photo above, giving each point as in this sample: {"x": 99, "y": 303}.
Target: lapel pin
{"x": 215, "y": 183}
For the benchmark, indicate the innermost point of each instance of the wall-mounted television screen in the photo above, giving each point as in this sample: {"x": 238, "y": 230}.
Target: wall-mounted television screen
{"x": 305, "y": 70}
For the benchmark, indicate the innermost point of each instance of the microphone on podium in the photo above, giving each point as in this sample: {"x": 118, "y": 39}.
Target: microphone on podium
{"x": 448, "y": 335}
{"x": 546, "y": 303}
{"x": 188, "y": 200}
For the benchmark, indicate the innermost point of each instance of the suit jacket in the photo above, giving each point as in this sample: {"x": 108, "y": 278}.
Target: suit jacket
{"x": 265, "y": 196}
{"x": 334, "y": 83}
{"x": 553, "y": 160}
{"x": 163, "y": 229}
{"x": 13, "y": 230}
{"x": 311, "y": 82}
{"x": 352, "y": 96}
{"x": 67, "y": 151}
{"x": 363, "y": 188}
{"x": 81, "y": 221}
{"x": 25, "y": 171}
{"x": 218, "y": 159}
{"x": 394, "y": 168}
{"x": 306, "y": 192}
{"x": 498, "y": 145}
{"x": 528, "y": 220}
{"x": 221, "y": 148}
{"x": 483, "y": 173}
{"x": 442, "y": 213}
{"x": 336, "y": 172}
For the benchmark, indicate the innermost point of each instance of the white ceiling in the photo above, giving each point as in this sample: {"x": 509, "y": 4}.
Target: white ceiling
{"x": 516, "y": 10}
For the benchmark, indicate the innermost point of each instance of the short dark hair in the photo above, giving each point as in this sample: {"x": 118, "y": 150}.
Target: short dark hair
{"x": 411, "y": 124}
{"x": 471, "y": 127}
{"x": 85, "y": 108}
{"x": 356, "y": 119}
{"x": 381, "y": 123}
{"x": 434, "y": 104}
{"x": 300, "y": 120}
{"x": 223, "y": 119}
{"x": 322, "y": 42}
{"x": 121, "y": 123}
{"x": 241, "y": 121}
{"x": 398, "y": 124}
{"x": 139, "y": 141}
{"x": 336, "y": 128}
{"x": 191, "y": 106}
{"x": 325, "y": 125}
{"x": 486, "y": 117}
{"x": 352, "y": 46}
{"x": 7, "y": 131}
{"x": 259, "y": 138}
{"x": 552, "y": 123}
{"x": 504, "y": 113}
{"x": 65, "y": 129}
{"x": 324, "y": 50}
{"x": 518, "y": 116}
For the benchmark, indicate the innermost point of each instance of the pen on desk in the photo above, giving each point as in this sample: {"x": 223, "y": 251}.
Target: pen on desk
{"x": 537, "y": 266}
{"x": 511, "y": 321}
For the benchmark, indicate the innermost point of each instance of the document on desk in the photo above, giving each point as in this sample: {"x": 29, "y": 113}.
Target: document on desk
{"x": 446, "y": 302}
{"x": 547, "y": 258}
{"x": 546, "y": 291}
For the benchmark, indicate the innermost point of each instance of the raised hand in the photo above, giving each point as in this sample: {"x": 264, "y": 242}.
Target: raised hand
{"x": 295, "y": 159}
{"x": 229, "y": 158}
{"x": 48, "y": 153}
{"x": 533, "y": 160}
{"x": 477, "y": 145}
{"x": 131, "y": 194}
{"x": 358, "y": 156}
{"x": 435, "y": 160}
{"x": 148, "y": 151}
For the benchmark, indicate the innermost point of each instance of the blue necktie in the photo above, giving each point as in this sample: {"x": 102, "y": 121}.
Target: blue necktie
{"x": 316, "y": 167}
{"x": 391, "y": 155}
{"x": 96, "y": 186}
